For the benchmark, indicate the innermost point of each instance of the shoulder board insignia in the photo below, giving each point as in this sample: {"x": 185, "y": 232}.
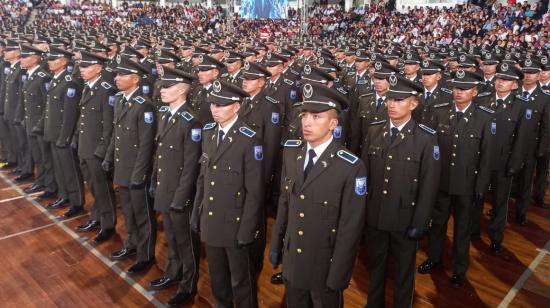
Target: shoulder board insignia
{"x": 209, "y": 126}
{"x": 140, "y": 100}
{"x": 41, "y": 74}
{"x": 483, "y": 94}
{"x": 547, "y": 92}
{"x": 351, "y": 73}
{"x": 362, "y": 82}
{"x": 288, "y": 82}
{"x": 491, "y": 111}
{"x": 68, "y": 78}
{"x": 294, "y": 72}
{"x": 150, "y": 61}
{"x": 106, "y": 85}
{"x": 164, "y": 109}
{"x": 247, "y": 131}
{"x": 119, "y": 93}
{"x": 525, "y": 99}
{"x": 441, "y": 105}
{"x": 224, "y": 75}
{"x": 378, "y": 122}
{"x": 336, "y": 80}
{"x": 341, "y": 90}
{"x": 366, "y": 94}
{"x": 293, "y": 143}
{"x": 447, "y": 90}
{"x": 271, "y": 99}
{"x": 187, "y": 116}
{"x": 426, "y": 129}
{"x": 108, "y": 69}
{"x": 347, "y": 156}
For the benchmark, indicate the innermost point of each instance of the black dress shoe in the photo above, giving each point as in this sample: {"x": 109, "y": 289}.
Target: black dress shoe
{"x": 45, "y": 195}
{"x": 427, "y": 266}
{"x": 140, "y": 267}
{"x": 9, "y": 166}
{"x": 59, "y": 203}
{"x": 23, "y": 177}
{"x": 89, "y": 226}
{"x": 496, "y": 248}
{"x": 162, "y": 283}
{"x": 103, "y": 235}
{"x": 179, "y": 299}
{"x": 33, "y": 188}
{"x": 457, "y": 280}
{"x": 277, "y": 278}
{"x": 73, "y": 211}
{"x": 521, "y": 220}
{"x": 123, "y": 254}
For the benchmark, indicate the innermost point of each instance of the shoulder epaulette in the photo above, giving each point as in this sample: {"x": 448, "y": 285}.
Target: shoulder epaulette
{"x": 288, "y": 82}
{"x": 224, "y": 75}
{"x": 366, "y": 94}
{"x": 293, "y": 143}
{"x": 68, "y": 78}
{"x": 140, "y": 100}
{"x": 378, "y": 122}
{"x": 441, "y": 105}
{"x": 341, "y": 90}
{"x": 150, "y": 60}
{"x": 347, "y": 156}
{"x": 491, "y": 111}
{"x": 119, "y": 93}
{"x": 426, "y": 129}
{"x": 336, "y": 80}
{"x": 483, "y": 94}
{"x": 247, "y": 131}
{"x": 209, "y": 126}
{"x": 187, "y": 116}
{"x": 446, "y": 90}
{"x": 546, "y": 92}
{"x": 106, "y": 85}
{"x": 362, "y": 82}
{"x": 41, "y": 74}
{"x": 108, "y": 69}
{"x": 525, "y": 99}
{"x": 351, "y": 73}
{"x": 294, "y": 72}
{"x": 271, "y": 99}
{"x": 164, "y": 108}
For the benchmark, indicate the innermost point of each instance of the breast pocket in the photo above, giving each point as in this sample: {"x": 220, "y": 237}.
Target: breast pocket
{"x": 328, "y": 204}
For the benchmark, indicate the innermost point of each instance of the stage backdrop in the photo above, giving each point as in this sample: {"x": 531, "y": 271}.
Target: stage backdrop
{"x": 274, "y": 9}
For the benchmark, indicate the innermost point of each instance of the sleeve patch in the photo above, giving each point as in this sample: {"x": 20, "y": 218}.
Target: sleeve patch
{"x": 148, "y": 117}
{"x": 71, "y": 92}
{"x": 361, "y": 185}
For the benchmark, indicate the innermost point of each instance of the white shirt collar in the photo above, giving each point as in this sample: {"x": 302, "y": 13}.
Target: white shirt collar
{"x": 32, "y": 70}
{"x": 430, "y": 90}
{"x": 207, "y": 87}
{"x": 502, "y": 98}
{"x": 378, "y": 96}
{"x": 275, "y": 81}
{"x": 127, "y": 97}
{"x": 318, "y": 150}
{"x": 234, "y": 76}
{"x": 464, "y": 110}
{"x": 400, "y": 127}
{"x": 361, "y": 74}
{"x": 175, "y": 110}
{"x": 227, "y": 128}
{"x": 58, "y": 74}
{"x": 14, "y": 64}
{"x": 530, "y": 91}
{"x": 92, "y": 83}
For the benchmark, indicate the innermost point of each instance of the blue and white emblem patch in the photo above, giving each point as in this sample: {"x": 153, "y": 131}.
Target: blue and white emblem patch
{"x": 196, "y": 134}
{"x": 436, "y": 152}
{"x": 275, "y": 117}
{"x": 148, "y": 117}
{"x": 337, "y": 132}
{"x": 71, "y": 92}
{"x": 111, "y": 101}
{"x": 493, "y": 128}
{"x": 47, "y": 86}
{"x": 145, "y": 89}
{"x": 292, "y": 94}
{"x": 70, "y": 68}
{"x": 528, "y": 114}
{"x": 258, "y": 152}
{"x": 361, "y": 186}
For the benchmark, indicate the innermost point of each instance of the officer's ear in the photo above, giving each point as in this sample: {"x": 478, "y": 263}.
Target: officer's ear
{"x": 413, "y": 102}
{"x": 333, "y": 116}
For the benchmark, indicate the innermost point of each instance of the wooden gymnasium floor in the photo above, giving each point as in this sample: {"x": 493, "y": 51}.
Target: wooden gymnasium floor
{"x": 45, "y": 264}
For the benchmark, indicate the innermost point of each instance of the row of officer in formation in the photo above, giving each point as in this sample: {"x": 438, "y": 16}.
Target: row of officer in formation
{"x": 206, "y": 149}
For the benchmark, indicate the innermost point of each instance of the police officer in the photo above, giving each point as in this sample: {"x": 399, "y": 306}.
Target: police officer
{"x": 465, "y": 133}
{"x": 175, "y": 173}
{"x": 434, "y": 92}
{"x": 60, "y": 119}
{"x": 209, "y": 70}
{"x": 411, "y": 67}
{"x": 186, "y": 53}
{"x": 322, "y": 206}
{"x": 4, "y": 130}
{"x": 228, "y": 206}
{"x": 131, "y": 149}
{"x": 402, "y": 161}
{"x": 34, "y": 98}
{"x": 92, "y": 137}
{"x": 233, "y": 62}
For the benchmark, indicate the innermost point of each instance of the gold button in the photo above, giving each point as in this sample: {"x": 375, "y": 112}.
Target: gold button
{"x": 238, "y": 218}
{"x": 385, "y": 192}
{"x": 388, "y": 168}
{"x": 211, "y": 198}
{"x": 298, "y": 250}
{"x": 454, "y": 154}
{"x": 158, "y": 183}
{"x": 300, "y": 232}
{"x": 390, "y": 157}
{"x": 238, "y": 193}
{"x": 452, "y": 164}
{"x": 302, "y": 197}
{"x": 302, "y": 215}
{"x": 456, "y": 136}
{"x": 214, "y": 167}
{"x": 210, "y": 213}
{"x": 386, "y": 180}
{"x": 325, "y": 202}
{"x": 286, "y": 187}
{"x": 160, "y": 170}
{"x": 171, "y": 147}
{"x": 160, "y": 144}
{"x": 116, "y": 159}
{"x": 160, "y": 156}
{"x": 212, "y": 183}
{"x": 408, "y": 158}
{"x": 333, "y": 230}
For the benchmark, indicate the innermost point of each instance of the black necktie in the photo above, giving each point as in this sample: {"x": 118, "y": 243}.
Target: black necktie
{"x": 220, "y": 136}
{"x": 394, "y": 133}
{"x": 459, "y": 115}
{"x": 379, "y": 102}
{"x": 86, "y": 90}
{"x": 309, "y": 166}
{"x": 124, "y": 102}
{"x": 545, "y": 87}
{"x": 499, "y": 102}
{"x": 525, "y": 94}
{"x": 428, "y": 95}
{"x": 167, "y": 118}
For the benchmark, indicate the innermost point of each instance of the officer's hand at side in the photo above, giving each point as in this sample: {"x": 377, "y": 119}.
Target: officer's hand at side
{"x": 61, "y": 144}
{"x": 136, "y": 185}
{"x": 35, "y": 130}
{"x": 242, "y": 244}
{"x": 152, "y": 191}
{"x": 274, "y": 258}
{"x": 415, "y": 233}
{"x": 478, "y": 198}
{"x": 510, "y": 172}
{"x": 106, "y": 166}
{"x": 74, "y": 145}
{"x": 176, "y": 208}
{"x": 195, "y": 227}
{"x": 17, "y": 123}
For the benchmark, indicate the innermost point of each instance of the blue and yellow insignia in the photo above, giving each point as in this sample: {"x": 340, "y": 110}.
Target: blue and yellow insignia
{"x": 528, "y": 113}
{"x": 293, "y": 143}
{"x": 337, "y": 132}
{"x": 436, "y": 152}
{"x": 187, "y": 116}
{"x": 148, "y": 117}
{"x": 70, "y": 68}
{"x": 196, "y": 134}
{"x": 258, "y": 152}
{"x": 209, "y": 126}
{"x": 71, "y": 92}
{"x": 292, "y": 94}
{"x": 247, "y": 132}
{"x": 145, "y": 89}
{"x": 275, "y": 117}
{"x": 361, "y": 185}
{"x": 347, "y": 156}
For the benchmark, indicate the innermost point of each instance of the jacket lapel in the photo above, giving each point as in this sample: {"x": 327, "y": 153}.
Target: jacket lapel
{"x": 321, "y": 165}
{"x": 406, "y": 131}
{"x": 227, "y": 141}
